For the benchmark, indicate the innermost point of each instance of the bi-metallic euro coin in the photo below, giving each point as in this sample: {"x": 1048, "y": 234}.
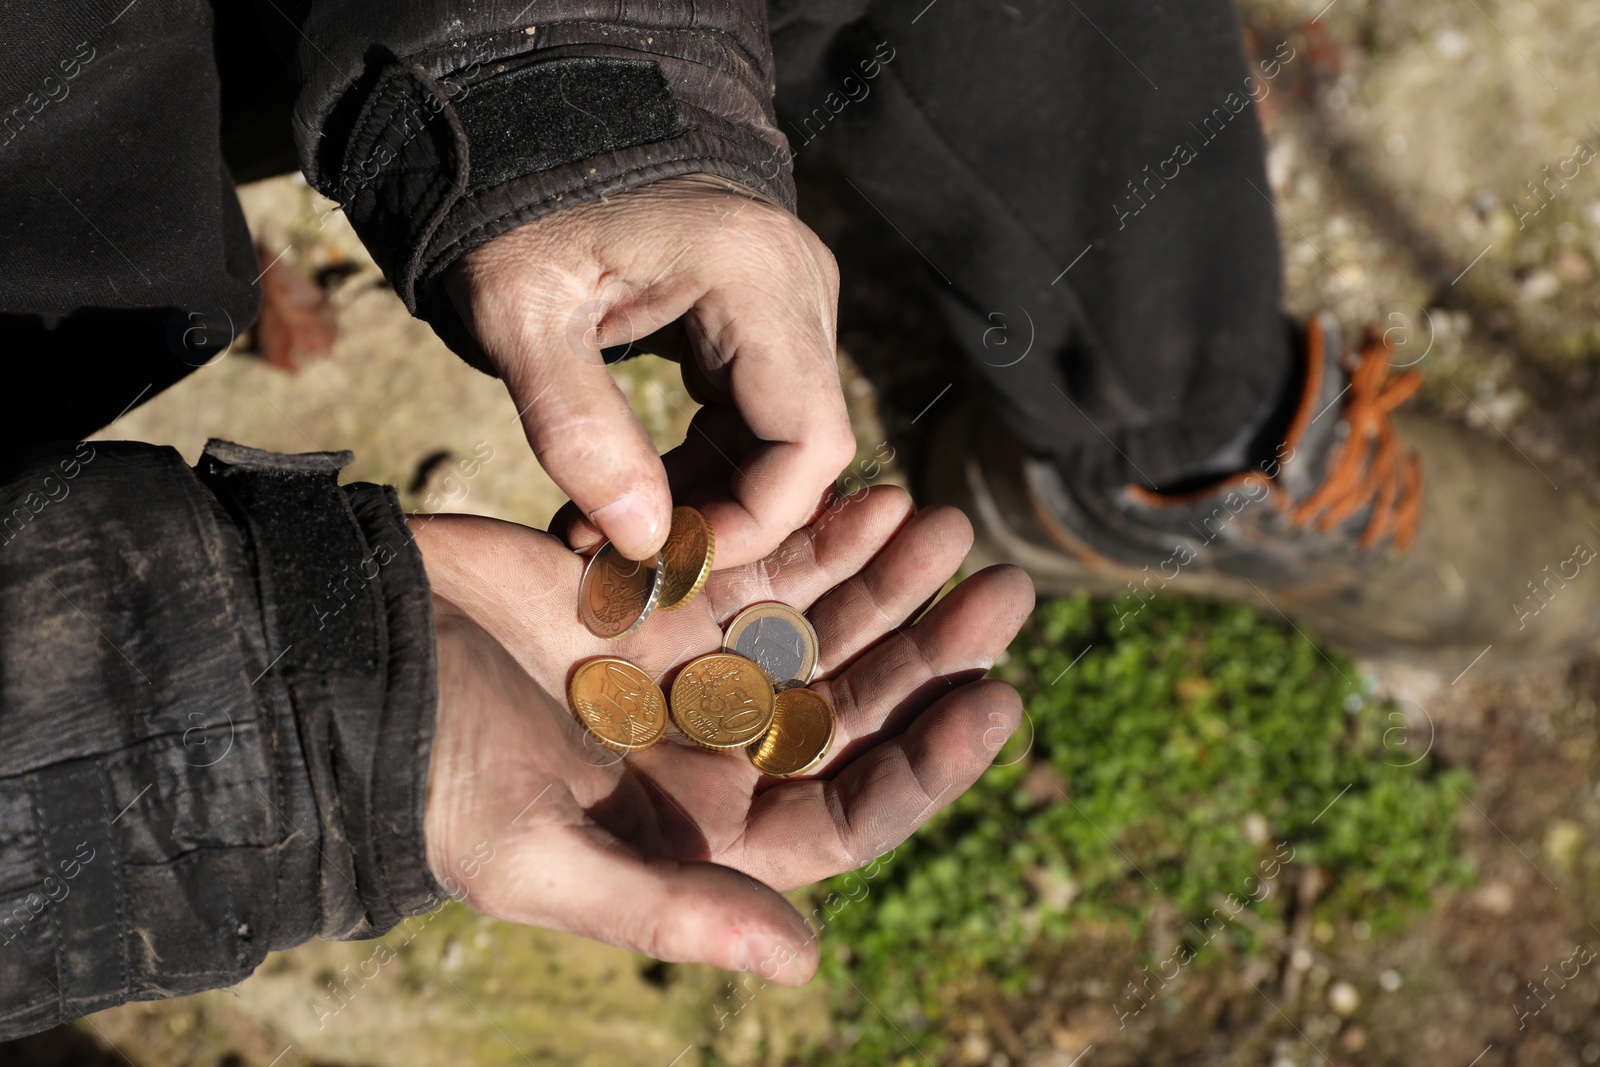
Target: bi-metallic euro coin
{"x": 778, "y": 638}
{"x": 617, "y": 594}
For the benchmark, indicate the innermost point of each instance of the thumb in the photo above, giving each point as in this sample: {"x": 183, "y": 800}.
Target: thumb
{"x": 579, "y": 423}
{"x": 684, "y": 912}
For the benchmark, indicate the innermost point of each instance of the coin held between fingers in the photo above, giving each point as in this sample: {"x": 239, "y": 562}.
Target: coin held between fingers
{"x": 685, "y": 559}
{"x": 617, "y": 594}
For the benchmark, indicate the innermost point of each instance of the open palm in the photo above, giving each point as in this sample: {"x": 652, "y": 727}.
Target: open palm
{"x": 677, "y": 851}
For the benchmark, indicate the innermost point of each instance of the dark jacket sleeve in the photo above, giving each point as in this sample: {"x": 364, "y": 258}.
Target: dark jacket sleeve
{"x": 439, "y": 125}
{"x": 217, "y": 692}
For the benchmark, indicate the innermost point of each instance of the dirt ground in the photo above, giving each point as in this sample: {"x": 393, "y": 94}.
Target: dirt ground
{"x": 1402, "y": 144}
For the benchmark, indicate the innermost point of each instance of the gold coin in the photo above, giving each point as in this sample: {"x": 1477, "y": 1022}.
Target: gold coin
{"x": 778, "y": 638}
{"x": 685, "y": 558}
{"x": 619, "y": 704}
{"x": 722, "y": 701}
{"x": 617, "y": 594}
{"x": 800, "y": 735}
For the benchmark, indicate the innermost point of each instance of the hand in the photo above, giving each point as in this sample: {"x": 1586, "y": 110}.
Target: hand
{"x": 679, "y": 852}
{"x": 756, "y": 293}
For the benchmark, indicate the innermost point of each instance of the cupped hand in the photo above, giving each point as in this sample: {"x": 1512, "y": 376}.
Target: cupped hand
{"x": 680, "y": 852}
{"x": 735, "y": 288}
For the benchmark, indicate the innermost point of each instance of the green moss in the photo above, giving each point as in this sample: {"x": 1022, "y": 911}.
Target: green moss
{"x": 1196, "y": 752}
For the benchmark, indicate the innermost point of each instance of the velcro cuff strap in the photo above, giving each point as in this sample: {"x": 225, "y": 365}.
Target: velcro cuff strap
{"x": 432, "y": 167}
{"x": 404, "y": 167}
{"x": 329, "y": 618}
{"x": 562, "y": 111}
{"x": 417, "y": 148}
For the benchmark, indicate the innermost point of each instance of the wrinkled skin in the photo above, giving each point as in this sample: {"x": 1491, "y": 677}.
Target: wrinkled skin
{"x": 698, "y": 270}
{"x": 676, "y": 851}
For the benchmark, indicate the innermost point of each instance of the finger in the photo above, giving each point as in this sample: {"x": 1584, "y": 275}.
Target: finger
{"x": 767, "y": 316}
{"x": 800, "y": 832}
{"x": 708, "y": 459}
{"x": 905, "y": 575}
{"x": 958, "y": 640}
{"x": 669, "y": 342}
{"x": 544, "y": 333}
{"x": 814, "y": 559}
{"x": 510, "y": 580}
{"x": 574, "y": 530}
{"x": 683, "y": 912}
{"x": 698, "y": 469}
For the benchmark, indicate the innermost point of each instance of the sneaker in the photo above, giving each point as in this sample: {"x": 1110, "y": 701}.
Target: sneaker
{"x": 1390, "y": 533}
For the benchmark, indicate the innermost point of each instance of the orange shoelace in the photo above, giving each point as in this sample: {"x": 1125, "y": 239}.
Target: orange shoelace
{"x": 1370, "y": 465}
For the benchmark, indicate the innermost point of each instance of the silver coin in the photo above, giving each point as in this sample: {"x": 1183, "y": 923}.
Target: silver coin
{"x": 777, "y": 638}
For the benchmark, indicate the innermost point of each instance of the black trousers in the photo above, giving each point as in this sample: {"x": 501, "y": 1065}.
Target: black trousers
{"x": 1082, "y": 184}
{"x": 1084, "y": 187}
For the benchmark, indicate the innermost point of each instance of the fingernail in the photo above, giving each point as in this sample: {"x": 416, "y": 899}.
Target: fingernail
{"x": 764, "y": 956}
{"x": 629, "y": 522}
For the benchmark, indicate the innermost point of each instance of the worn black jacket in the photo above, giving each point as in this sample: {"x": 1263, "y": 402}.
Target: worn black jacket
{"x": 217, "y": 684}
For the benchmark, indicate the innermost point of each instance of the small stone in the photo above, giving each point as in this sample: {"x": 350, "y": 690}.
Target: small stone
{"x": 1452, "y": 43}
{"x": 1496, "y": 898}
{"x": 1343, "y": 998}
{"x": 1562, "y": 841}
{"x": 1042, "y": 784}
{"x": 1538, "y": 286}
{"x": 1070, "y": 1040}
{"x": 1054, "y": 885}
{"x": 1389, "y": 980}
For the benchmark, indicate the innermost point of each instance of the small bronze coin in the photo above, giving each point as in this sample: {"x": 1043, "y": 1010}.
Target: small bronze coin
{"x": 685, "y": 558}
{"x": 722, "y": 701}
{"x": 617, "y": 594}
{"x": 800, "y": 735}
{"x": 618, "y": 703}
{"x": 778, "y": 638}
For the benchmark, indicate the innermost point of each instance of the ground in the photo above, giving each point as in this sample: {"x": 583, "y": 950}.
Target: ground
{"x": 1406, "y": 144}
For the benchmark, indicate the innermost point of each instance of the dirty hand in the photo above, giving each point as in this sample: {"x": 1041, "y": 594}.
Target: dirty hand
{"x": 677, "y": 851}
{"x": 736, "y": 289}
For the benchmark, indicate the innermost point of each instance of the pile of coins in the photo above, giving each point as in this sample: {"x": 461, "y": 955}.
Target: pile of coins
{"x": 751, "y": 695}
